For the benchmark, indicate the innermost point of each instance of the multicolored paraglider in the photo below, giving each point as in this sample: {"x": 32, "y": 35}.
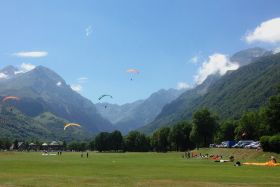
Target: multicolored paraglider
{"x": 132, "y": 71}
{"x": 71, "y": 124}
{"x": 8, "y": 98}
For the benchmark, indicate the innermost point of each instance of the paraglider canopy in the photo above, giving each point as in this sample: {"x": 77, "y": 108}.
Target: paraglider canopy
{"x": 132, "y": 70}
{"x": 71, "y": 124}
{"x": 105, "y": 96}
{"x": 10, "y": 98}
{"x": 102, "y": 96}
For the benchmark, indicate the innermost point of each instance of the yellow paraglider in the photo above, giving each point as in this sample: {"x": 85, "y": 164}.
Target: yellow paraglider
{"x": 71, "y": 124}
{"x": 272, "y": 162}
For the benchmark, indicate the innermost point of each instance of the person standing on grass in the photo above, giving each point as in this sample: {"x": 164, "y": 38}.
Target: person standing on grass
{"x": 82, "y": 155}
{"x": 87, "y": 154}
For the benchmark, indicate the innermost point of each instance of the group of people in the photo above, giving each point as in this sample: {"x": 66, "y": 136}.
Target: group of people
{"x": 82, "y": 155}
{"x": 219, "y": 158}
{"x": 191, "y": 154}
{"x": 216, "y": 158}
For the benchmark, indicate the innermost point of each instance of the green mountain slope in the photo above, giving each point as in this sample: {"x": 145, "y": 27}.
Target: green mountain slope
{"x": 42, "y": 90}
{"x": 244, "y": 89}
{"x": 15, "y": 125}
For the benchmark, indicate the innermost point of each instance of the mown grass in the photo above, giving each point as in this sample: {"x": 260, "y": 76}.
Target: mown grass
{"x": 132, "y": 169}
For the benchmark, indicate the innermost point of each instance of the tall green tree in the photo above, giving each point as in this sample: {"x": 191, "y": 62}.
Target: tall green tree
{"x": 226, "y": 131}
{"x": 204, "y": 127}
{"x": 137, "y": 142}
{"x": 102, "y": 142}
{"x": 248, "y": 126}
{"x": 92, "y": 145}
{"x": 272, "y": 113}
{"x": 116, "y": 140}
{"x": 179, "y": 136}
{"x": 160, "y": 139}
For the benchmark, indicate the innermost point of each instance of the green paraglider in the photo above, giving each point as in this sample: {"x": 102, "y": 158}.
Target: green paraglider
{"x": 102, "y": 96}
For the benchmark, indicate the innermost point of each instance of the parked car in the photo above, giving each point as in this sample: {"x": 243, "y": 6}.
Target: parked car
{"x": 242, "y": 143}
{"x": 253, "y": 145}
{"x": 228, "y": 144}
{"x": 212, "y": 145}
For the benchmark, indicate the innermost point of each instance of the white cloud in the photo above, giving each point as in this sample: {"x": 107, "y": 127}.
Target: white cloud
{"x": 194, "y": 59}
{"x": 3, "y": 76}
{"x": 82, "y": 79}
{"x": 277, "y": 50}
{"x": 216, "y": 63}
{"x": 31, "y": 54}
{"x": 88, "y": 30}
{"x": 25, "y": 67}
{"x": 58, "y": 84}
{"x": 76, "y": 87}
{"x": 268, "y": 31}
{"x": 183, "y": 85}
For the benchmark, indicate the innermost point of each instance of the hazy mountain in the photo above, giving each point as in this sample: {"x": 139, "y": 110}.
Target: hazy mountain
{"x": 247, "y": 56}
{"x": 114, "y": 112}
{"x": 130, "y": 116}
{"x": 42, "y": 90}
{"x": 230, "y": 95}
{"x": 172, "y": 111}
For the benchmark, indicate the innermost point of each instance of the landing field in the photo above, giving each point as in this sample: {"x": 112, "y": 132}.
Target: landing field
{"x": 134, "y": 169}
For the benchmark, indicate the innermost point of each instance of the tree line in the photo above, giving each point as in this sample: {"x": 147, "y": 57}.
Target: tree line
{"x": 205, "y": 128}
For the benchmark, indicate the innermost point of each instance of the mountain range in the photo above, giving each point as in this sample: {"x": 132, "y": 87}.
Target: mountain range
{"x": 43, "y": 91}
{"x": 134, "y": 115}
{"x": 46, "y": 102}
{"x": 247, "y": 88}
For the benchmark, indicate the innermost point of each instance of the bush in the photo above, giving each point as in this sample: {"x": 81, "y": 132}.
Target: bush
{"x": 265, "y": 143}
{"x": 274, "y": 143}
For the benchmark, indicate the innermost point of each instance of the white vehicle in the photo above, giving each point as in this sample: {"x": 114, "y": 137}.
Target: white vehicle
{"x": 253, "y": 145}
{"x": 242, "y": 143}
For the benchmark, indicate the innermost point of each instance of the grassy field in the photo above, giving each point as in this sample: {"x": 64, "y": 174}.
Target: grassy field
{"x": 134, "y": 169}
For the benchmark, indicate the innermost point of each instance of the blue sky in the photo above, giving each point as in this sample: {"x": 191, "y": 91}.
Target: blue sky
{"x": 100, "y": 40}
